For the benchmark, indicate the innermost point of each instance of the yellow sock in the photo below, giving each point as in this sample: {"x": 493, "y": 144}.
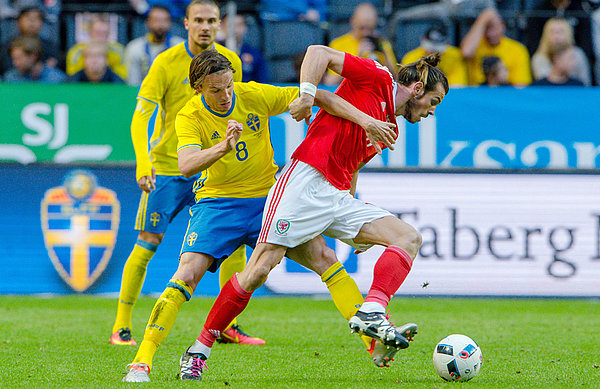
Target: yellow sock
{"x": 134, "y": 273}
{"x": 235, "y": 263}
{"x": 162, "y": 319}
{"x": 344, "y": 293}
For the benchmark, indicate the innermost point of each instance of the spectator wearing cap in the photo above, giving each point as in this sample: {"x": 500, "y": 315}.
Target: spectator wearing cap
{"x": 363, "y": 41}
{"x": 452, "y": 62}
{"x": 495, "y": 71}
{"x": 487, "y": 38}
{"x": 95, "y": 65}
{"x": 29, "y": 24}
{"x": 99, "y": 29}
{"x": 563, "y": 59}
{"x": 141, "y": 52}
{"x": 26, "y": 55}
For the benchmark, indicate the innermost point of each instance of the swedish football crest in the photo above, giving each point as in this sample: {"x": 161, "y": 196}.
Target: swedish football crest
{"x": 253, "y": 121}
{"x": 80, "y": 221}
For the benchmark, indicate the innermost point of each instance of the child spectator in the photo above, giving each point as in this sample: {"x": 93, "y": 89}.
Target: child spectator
{"x": 563, "y": 65}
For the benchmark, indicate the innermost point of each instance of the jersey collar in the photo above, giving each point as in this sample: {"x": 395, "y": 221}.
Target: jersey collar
{"x": 221, "y": 115}
{"x": 187, "y": 48}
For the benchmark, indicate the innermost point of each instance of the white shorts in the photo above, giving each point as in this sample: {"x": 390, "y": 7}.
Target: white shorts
{"x": 303, "y": 204}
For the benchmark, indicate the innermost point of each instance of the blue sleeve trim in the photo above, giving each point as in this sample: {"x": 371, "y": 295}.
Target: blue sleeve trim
{"x": 190, "y": 145}
{"x": 181, "y": 289}
{"x": 146, "y": 245}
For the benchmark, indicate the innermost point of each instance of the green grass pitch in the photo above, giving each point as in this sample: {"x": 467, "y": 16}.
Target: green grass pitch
{"x": 62, "y": 342}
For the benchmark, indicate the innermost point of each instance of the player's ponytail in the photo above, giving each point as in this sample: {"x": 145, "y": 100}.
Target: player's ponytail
{"x": 424, "y": 70}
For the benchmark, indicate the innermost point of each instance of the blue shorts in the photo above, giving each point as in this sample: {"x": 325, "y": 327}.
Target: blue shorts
{"x": 219, "y": 226}
{"x": 157, "y": 209}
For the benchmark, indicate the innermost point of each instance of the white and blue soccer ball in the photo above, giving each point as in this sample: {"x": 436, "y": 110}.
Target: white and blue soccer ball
{"x": 457, "y": 358}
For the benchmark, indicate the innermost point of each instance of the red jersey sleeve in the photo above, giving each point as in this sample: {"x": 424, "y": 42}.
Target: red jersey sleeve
{"x": 363, "y": 71}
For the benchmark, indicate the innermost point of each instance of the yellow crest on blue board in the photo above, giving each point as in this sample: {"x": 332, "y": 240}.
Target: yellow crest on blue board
{"x": 80, "y": 221}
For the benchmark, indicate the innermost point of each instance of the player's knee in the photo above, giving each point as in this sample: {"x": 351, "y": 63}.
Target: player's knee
{"x": 408, "y": 239}
{"x": 151, "y": 237}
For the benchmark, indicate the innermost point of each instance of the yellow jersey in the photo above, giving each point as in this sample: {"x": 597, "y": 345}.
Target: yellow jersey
{"x": 514, "y": 55}
{"x": 349, "y": 44}
{"x": 115, "y": 56}
{"x": 164, "y": 91}
{"x": 452, "y": 63}
{"x": 249, "y": 170}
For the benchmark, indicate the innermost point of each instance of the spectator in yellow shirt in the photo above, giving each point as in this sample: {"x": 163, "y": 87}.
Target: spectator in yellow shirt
{"x": 363, "y": 41}
{"x": 487, "y": 38}
{"x": 98, "y": 32}
{"x": 452, "y": 62}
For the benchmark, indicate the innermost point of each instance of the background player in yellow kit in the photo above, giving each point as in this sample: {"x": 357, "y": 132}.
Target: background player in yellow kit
{"x": 164, "y": 91}
{"x": 224, "y": 131}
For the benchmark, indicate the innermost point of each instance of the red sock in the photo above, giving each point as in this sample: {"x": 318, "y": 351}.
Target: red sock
{"x": 390, "y": 272}
{"x": 232, "y": 300}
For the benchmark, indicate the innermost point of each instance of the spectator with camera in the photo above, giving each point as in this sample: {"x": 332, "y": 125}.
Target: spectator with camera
{"x": 363, "y": 41}
{"x": 452, "y": 62}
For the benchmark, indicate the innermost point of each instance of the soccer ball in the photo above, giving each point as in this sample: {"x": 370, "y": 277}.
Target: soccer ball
{"x": 457, "y": 358}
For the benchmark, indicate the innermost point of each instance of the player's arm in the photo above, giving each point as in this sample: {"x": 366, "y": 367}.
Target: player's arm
{"x": 193, "y": 159}
{"x": 376, "y": 130}
{"x": 144, "y": 172}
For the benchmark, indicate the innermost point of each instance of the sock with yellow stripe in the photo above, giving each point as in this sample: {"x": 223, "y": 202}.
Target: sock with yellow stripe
{"x": 134, "y": 273}
{"x": 235, "y": 263}
{"x": 345, "y": 294}
{"x": 162, "y": 319}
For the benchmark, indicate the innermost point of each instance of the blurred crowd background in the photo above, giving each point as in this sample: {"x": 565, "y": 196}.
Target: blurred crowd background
{"x": 483, "y": 42}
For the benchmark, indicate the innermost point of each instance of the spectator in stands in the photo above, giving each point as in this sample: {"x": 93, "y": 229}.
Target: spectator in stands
{"x": 442, "y": 10}
{"x": 254, "y": 67}
{"x": 452, "y": 62}
{"x": 575, "y": 12}
{"x": 140, "y": 52}
{"x": 495, "y": 71}
{"x": 363, "y": 41}
{"x": 286, "y": 10}
{"x": 95, "y": 65}
{"x": 26, "y": 55}
{"x": 558, "y": 31}
{"x": 29, "y": 24}
{"x": 99, "y": 30}
{"x": 176, "y": 7}
{"x": 563, "y": 65}
{"x": 487, "y": 38}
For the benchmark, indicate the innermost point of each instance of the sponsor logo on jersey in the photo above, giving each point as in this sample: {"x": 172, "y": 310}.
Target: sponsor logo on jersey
{"x": 253, "y": 121}
{"x": 282, "y": 226}
{"x": 215, "y": 135}
{"x": 80, "y": 221}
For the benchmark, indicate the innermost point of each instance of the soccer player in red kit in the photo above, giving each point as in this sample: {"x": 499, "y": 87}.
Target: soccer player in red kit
{"x": 315, "y": 193}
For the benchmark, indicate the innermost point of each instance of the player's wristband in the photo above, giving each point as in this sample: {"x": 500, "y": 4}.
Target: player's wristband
{"x": 308, "y": 88}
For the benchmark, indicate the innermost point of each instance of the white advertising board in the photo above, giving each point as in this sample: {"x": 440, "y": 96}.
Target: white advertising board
{"x": 483, "y": 234}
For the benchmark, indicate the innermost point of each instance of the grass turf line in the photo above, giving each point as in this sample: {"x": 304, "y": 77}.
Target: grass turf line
{"x": 62, "y": 342}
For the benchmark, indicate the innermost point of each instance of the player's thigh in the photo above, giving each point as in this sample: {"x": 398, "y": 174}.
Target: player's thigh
{"x": 192, "y": 267}
{"x": 388, "y": 231}
{"x": 314, "y": 255}
{"x": 157, "y": 208}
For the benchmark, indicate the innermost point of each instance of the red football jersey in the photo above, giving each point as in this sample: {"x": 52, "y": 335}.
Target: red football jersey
{"x": 336, "y": 146}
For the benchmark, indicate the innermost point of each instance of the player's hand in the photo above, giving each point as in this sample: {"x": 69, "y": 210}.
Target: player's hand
{"x": 378, "y": 131}
{"x": 233, "y": 133}
{"x": 301, "y": 108}
{"x": 148, "y": 183}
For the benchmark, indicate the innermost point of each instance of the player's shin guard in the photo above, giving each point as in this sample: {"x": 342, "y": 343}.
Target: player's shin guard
{"x": 232, "y": 300}
{"x": 162, "y": 319}
{"x": 235, "y": 263}
{"x": 345, "y": 294}
{"x": 390, "y": 271}
{"x": 134, "y": 273}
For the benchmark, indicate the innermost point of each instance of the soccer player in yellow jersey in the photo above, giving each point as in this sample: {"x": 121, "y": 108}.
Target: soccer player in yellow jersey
{"x": 224, "y": 131}
{"x": 164, "y": 91}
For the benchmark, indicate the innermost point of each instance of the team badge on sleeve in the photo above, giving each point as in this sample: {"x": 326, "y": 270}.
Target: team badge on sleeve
{"x": 80, "y": 221}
